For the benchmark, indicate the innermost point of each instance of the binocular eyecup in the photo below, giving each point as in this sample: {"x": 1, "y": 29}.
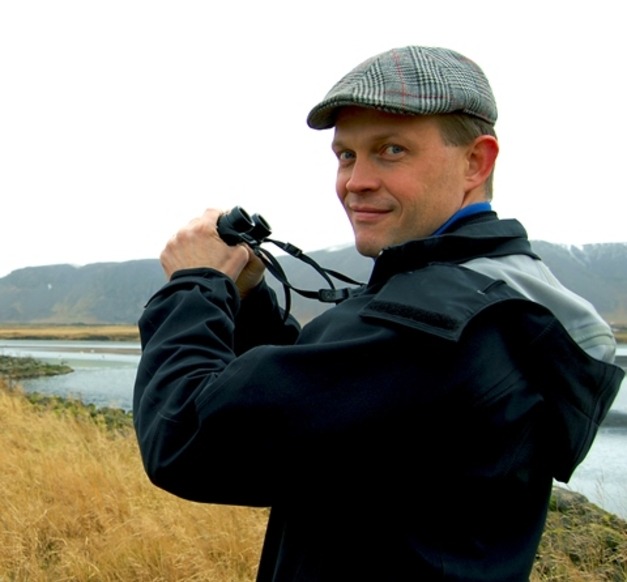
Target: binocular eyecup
{"x": 237, "y": 226}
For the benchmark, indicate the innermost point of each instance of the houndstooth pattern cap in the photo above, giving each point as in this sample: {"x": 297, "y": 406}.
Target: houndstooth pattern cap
{"x": 412, "y": 80}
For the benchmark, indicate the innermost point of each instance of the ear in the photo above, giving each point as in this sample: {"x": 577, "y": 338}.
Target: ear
{"x": 481, "y": 156}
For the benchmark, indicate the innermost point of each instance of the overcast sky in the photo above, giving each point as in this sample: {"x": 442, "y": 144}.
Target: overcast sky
{"x": 120, "y": 120}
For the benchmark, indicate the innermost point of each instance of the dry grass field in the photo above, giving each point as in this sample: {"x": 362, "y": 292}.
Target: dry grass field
{"x": 70, "y": 332}
{"x": 76, "y": 505}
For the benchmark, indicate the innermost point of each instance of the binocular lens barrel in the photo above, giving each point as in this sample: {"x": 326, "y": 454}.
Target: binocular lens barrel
{"x": 238, "y": 226}
{"x": 261, "y": 229}
{"x": 238, "y": 220}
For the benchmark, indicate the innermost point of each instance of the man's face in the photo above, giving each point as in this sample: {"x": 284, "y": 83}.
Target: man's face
{"x": 396, "y": 178}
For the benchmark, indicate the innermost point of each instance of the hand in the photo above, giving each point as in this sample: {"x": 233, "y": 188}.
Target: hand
{"x": 199, "y": 245}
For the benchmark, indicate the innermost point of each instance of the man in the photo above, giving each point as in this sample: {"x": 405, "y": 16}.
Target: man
{"x": 413, "y": 431}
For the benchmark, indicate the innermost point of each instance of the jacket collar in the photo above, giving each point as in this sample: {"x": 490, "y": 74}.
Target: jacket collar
{"x": 480, "y": 235}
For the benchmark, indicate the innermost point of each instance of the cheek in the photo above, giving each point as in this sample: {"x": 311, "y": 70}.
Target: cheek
{"x": 340, "y": 185}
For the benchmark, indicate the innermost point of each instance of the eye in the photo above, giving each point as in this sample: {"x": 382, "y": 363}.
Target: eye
{"x": 345, "y": 155}
{"x": 393, "y": 150}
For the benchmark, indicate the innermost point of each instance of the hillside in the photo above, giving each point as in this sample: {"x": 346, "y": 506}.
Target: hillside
{"x": 116, "y": 292}
{"x": 96, "y": 293}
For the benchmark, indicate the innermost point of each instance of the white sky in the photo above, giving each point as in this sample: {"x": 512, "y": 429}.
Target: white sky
{"x": 120, "y": 120}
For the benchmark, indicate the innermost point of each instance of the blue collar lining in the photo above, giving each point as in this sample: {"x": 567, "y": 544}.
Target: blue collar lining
{"x": 469, "y": 210}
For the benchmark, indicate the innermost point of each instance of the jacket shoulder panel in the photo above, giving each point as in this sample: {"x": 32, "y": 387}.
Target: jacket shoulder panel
{"x": 440, "y": 299}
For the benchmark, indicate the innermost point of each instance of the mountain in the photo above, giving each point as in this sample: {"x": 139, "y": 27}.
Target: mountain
{"x": 117, "y": 292}
{"x": 96, "y": 293}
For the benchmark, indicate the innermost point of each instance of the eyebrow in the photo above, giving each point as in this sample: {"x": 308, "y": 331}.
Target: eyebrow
{"x": 377, "y": 137}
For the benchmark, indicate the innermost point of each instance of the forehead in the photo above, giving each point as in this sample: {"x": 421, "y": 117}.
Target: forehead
{"x": 365, "y": 122}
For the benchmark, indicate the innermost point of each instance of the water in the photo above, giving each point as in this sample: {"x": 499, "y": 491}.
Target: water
{"x": 104, "y": 373}
{"x": 602, "y": 477}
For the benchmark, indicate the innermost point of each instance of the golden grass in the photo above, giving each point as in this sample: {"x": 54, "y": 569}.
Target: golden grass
{"x": 76, "y": 505}
{"x": 70, "y": 332}
{"x": 581, "y": 543}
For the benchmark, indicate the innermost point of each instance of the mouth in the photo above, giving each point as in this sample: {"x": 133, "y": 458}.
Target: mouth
{"x": 366, "y": 213}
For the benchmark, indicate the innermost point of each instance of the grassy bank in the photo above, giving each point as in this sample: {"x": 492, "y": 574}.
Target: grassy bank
{"x": 13, "y": 368}
{"x": 70, "y": 332}
{"x": 76, "y": 505}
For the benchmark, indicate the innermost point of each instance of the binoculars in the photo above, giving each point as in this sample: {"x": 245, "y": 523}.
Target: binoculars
{"x": 237, "y": 226}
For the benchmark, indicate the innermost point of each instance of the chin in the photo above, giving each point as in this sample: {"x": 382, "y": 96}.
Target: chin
{"x": 368, "y": 248}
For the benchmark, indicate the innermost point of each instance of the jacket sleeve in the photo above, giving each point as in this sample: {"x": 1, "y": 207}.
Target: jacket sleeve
{"x": 260, "y": 321}
{"x": 220, "y": 427}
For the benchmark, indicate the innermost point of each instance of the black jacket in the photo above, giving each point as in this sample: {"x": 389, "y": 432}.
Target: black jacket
{"x": 410, "y": 433}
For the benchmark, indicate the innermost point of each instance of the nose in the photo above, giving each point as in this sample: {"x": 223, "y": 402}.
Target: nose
{"x": 361, "y": 176}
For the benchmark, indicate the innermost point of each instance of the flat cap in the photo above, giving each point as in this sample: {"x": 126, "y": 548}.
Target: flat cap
{"x": 412, "y": 80}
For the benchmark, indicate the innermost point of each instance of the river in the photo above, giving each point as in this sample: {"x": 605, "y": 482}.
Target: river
{"x": 104, "y": 373}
